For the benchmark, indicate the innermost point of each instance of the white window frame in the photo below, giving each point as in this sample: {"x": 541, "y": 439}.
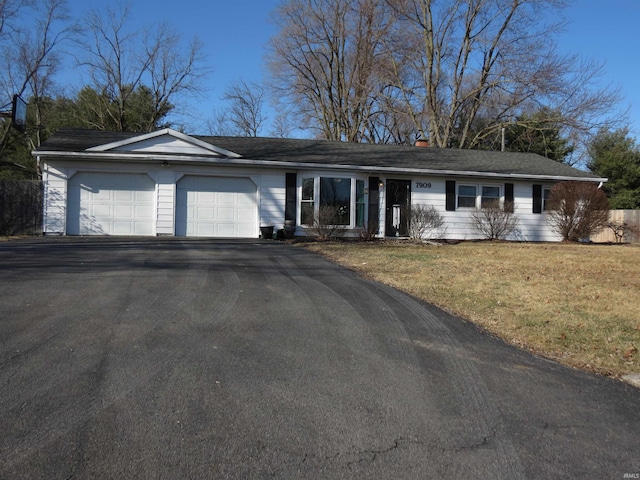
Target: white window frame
{"x": 460, "y": 185}
{"x": 498, "y": 198}
{"x": 353, "y": 203}
{"x": 478, "y": 197}
{"x": 546, "y": 192}
{"x": 304, "y": 201}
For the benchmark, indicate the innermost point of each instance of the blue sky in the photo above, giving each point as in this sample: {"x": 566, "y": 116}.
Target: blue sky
{"x": 235, "y": 34}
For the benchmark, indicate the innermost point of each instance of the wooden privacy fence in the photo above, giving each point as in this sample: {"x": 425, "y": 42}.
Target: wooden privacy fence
{"x": 630, "y": 217}
{"x": 20, "y": 207}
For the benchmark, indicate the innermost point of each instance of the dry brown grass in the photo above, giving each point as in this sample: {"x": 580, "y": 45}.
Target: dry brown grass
{"x": 579, "y": 304}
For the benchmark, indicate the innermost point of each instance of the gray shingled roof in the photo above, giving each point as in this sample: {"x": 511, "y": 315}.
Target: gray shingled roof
{"x": 369, "y": 156}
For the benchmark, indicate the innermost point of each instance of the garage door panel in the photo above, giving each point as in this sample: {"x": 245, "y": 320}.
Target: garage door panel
{"x": 245, "y": 231}
{"x": 205, "y": 230}
{"x": 143, "y": 211}
{"x": 122, "y": 228}
{"x": 123, "y": 196}
{"x": 111, "y": 204}
{"x": 203, "y": 213}
{"x": 244, "y": 212}
{"x": 226, "y": 214}
{"x": 100, "y": 211}
{"x": 216, "y": 207}
{"x": 148, "y": 197}
{"x": 228, "y": 198}
{"x": 205, "y": 198}
{"x": 126, "y": 211}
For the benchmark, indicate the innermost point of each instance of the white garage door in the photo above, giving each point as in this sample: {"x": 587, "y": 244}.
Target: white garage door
{"x": 110, "y": 204}
{"x": 216, "y": 207}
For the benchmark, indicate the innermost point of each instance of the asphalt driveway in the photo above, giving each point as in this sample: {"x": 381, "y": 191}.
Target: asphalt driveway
{"x": 174, "y": 358}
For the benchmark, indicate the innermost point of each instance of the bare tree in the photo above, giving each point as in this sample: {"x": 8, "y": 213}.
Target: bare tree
{"x": 577, "y": 210}
{"x": 327, "y": 223}
{"x": 460, "y": 60}
{"x": 495, "y": 221}
{"x": 219, "y": 123}
{"x": 423, "y": 220}
{"x": 623, "y": 230}
{"x": 282, "y": 125}
{"x": 174, "y": 71}
{"x": 120, "y": 61}
{"x": 325, "y": 61}
{"x": 9, "y": 12}
{"x": 31, "y": 35}
{"x": 246, "y": 108}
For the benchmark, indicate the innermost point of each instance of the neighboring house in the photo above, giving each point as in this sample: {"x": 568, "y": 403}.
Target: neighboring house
{"x": 169, "y": 183}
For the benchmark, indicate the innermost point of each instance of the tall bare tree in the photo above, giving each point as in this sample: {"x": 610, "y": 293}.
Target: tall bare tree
{"x": 31, "y": 34}
{"x": 325, "y": 61}
{"x": 459, "y": 60}
{"x": 245, "y": 115}
{"x": 120, "y": 61}
{"x": 453, "y": 71}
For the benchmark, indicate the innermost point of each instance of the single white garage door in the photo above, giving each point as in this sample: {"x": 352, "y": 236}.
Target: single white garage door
{"x": 216, "y": 207}
{"x": 110, "y": 204}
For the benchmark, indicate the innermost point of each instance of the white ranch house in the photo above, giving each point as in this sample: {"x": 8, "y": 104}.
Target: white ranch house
{"x": 169, "y": 183}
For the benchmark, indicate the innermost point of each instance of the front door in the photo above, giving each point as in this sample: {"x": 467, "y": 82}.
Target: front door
{"x": 398, "y": 194}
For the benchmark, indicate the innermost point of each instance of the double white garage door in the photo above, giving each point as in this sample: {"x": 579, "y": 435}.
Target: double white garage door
{"x": 125, "y": 204}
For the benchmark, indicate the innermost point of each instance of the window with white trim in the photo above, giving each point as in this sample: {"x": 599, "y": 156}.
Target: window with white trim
{"x": 490, "y": 196}
{"x": 478, "y": 196}
{"x": 307, "y": 200}
{"x": 360, "y": 203}
{"x": 546, "y": 192}
{"x": 467, "y": 196}
{"x": 335, "y": 193}
{"x": 345, "y": 196}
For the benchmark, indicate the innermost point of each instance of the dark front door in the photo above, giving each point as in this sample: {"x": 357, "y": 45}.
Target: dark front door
{"x": 397, "y": 208}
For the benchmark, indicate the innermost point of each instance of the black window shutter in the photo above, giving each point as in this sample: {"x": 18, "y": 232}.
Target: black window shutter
{"x": 537, "y": 199}
{"x": 508, "y": 196}
{"x": 374, "y": 203}
{"x": 290, "y": 197}
{"x": 451, "y": 195}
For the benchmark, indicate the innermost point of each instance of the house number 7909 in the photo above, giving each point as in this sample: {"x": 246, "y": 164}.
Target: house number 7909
{"x": 423, "y": 185}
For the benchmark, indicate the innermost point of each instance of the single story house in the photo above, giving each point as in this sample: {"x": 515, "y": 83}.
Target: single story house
{"x": 169, "y": 183}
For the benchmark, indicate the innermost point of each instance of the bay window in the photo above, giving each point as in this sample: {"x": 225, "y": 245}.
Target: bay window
{"x": 332, "y": 200}
{"x": 335, "y": 199}
{"x": 360, "y": 203}
{"x": 307, "y": 210}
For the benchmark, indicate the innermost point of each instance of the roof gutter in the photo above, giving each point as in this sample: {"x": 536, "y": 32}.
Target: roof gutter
{"x": 242, "y": 162}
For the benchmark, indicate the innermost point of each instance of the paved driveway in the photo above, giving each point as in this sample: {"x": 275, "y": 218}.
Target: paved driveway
{"x": 170, "y": 358}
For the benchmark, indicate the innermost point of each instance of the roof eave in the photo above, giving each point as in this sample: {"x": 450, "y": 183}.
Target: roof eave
{"x": 245, "y": 162}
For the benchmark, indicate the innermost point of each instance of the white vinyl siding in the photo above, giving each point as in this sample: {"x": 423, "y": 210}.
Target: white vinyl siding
{"x": 272, "y": 200}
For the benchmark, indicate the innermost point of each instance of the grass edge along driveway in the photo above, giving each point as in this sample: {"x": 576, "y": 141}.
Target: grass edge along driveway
{"x": 577, "y": 304}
